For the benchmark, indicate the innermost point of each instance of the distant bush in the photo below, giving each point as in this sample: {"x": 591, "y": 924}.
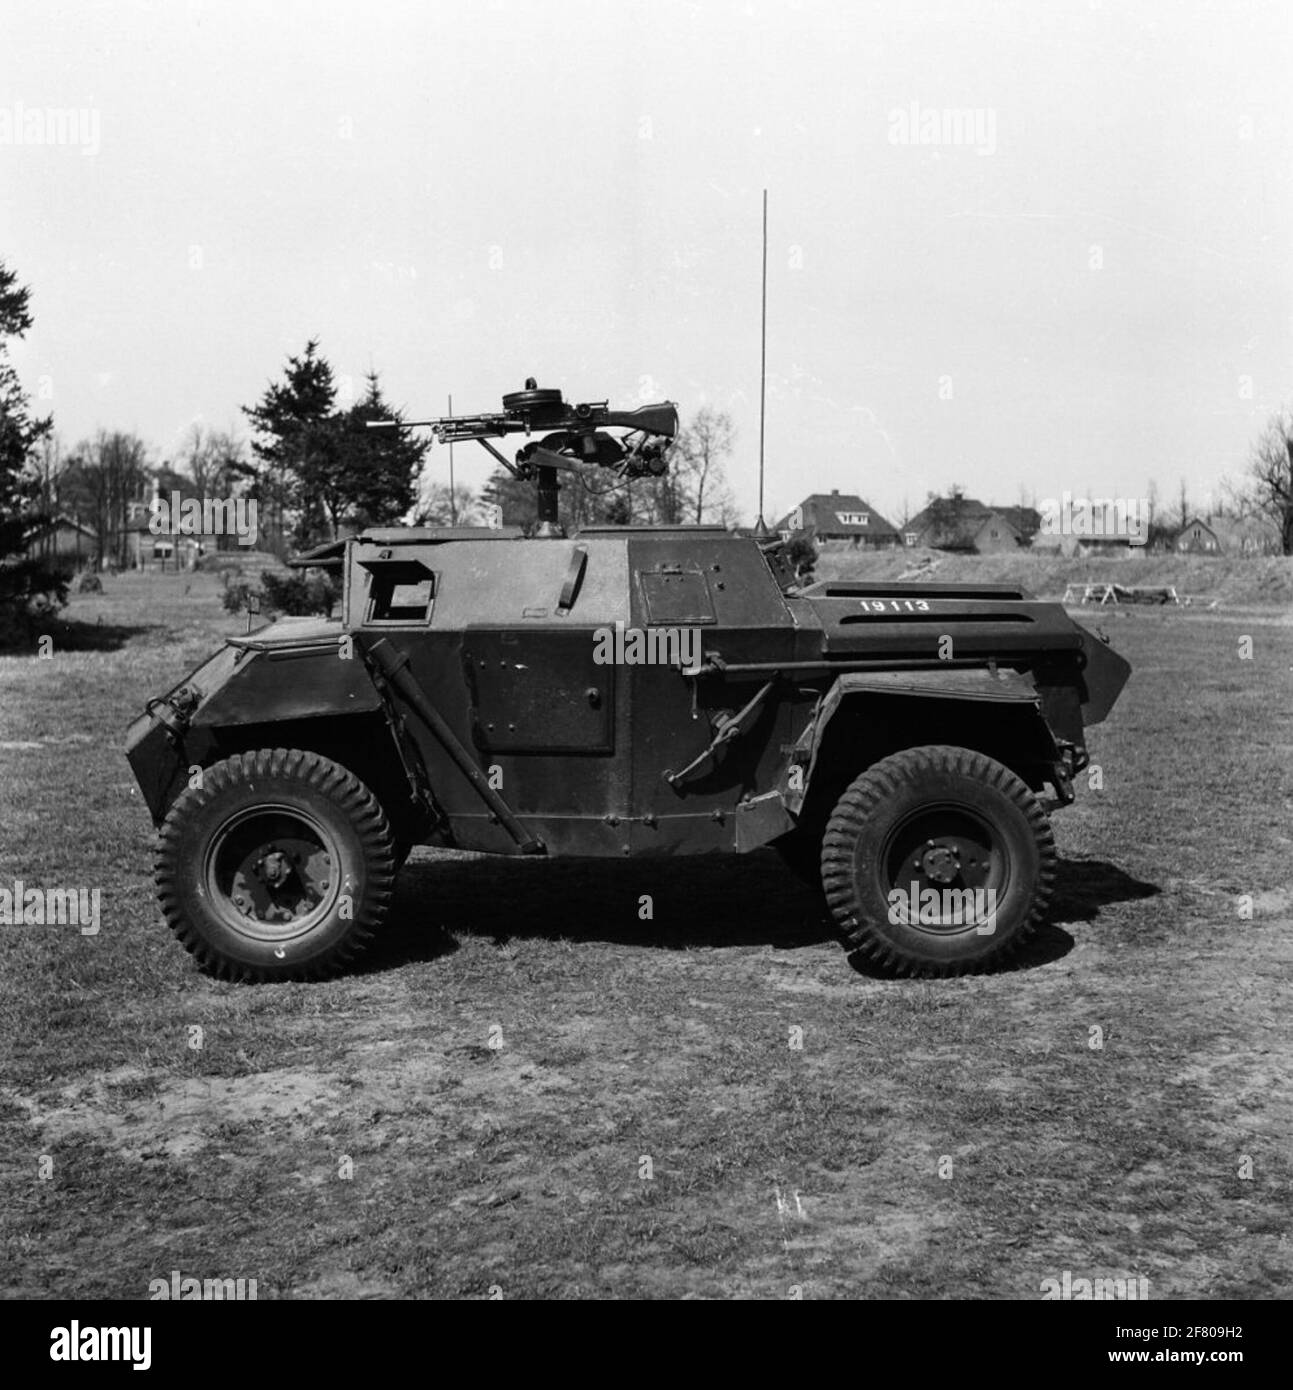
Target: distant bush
{"x": 298, "y": 595}
{"x": 237, "y": 596}
{"x": 89, "y": 583}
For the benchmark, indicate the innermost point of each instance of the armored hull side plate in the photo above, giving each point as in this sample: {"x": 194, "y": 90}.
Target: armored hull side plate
{"x": 538, "y": 691}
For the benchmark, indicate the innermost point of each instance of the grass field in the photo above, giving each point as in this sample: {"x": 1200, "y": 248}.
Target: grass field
{"x": 1229, "y": 580}
{"x": 531, "y": 1091}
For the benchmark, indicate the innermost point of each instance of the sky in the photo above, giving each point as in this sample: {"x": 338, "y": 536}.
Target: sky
{"x": 1023, "y": 248}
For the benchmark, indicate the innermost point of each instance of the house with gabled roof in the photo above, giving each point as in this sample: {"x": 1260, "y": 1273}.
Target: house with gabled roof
{"x": 1228, "y": 535}
{"x": 962, "y": 524}
{"x": 840, "y": 517}
{"x": 61, "y": 537}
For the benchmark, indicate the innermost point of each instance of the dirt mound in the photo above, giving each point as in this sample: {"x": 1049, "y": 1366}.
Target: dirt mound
{"x": 248, "y": 562}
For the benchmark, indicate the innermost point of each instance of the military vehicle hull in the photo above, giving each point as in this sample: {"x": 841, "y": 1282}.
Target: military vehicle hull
{"x": 581, "y": 750}
{"x": 621, "y": 692}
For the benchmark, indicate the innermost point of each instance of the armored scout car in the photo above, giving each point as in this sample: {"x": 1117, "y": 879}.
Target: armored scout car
{"x": 622, "y": 691}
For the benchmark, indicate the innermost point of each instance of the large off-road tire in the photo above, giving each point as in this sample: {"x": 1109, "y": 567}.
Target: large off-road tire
{"x": 937, "y": 818}
{"x": 279, "y": 866}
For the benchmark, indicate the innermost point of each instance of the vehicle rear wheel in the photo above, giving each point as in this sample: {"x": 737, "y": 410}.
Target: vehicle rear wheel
{"x": 279, "y": 866}
{"x": 937, "y": 861}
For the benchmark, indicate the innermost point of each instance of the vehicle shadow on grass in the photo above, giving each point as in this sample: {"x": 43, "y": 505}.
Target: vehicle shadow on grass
{"x": 696, "y": 901}
{"x": 72, "y": 635}
{"x": 1082, "y": 888}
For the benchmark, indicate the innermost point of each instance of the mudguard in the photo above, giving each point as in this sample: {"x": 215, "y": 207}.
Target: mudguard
{"x": 300, "y": 677}
{"x": 1000, "y": 687}
{"x": 298, "y": 669}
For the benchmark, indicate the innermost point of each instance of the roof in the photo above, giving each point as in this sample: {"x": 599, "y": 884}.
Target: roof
{"x": 838, "y": 514}
{"x": 1231, "y": 532}
{"x": 956, "y": 522}
{"x": 966, "y": 507}
{"x": 60, "y": 522}
{"x": 1026, "y": 520}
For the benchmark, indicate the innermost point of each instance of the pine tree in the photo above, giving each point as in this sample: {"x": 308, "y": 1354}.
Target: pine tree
{"x": 321, "y": 468}
{"x": 375, "y": 481}
{"x": 295, "y": 438}
{"x": 27, "y": 586}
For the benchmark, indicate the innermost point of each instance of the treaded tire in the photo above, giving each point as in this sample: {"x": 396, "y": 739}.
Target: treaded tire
{"x": 890, "y": 805}
{"x": 274, "y": 786}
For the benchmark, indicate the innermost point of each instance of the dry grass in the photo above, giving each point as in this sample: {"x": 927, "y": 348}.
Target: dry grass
{"x": 520, "y": 1165}
{"x": 1232, "y": 581}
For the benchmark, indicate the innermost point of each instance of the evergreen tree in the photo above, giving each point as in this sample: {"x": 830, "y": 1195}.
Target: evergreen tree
{"x": 294, "y": 440}
{"x": 321, "y": 468}
{"x": 26, "y": 585}
{"x": 376, "y": 471}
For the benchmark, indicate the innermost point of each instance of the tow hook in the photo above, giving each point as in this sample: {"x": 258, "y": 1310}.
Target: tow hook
{"x": 175, "y": 710}
{"x": 1070, "y": 762}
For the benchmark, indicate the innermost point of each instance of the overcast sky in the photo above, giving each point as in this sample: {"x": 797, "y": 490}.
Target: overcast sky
{"x": 1087, "y": 288}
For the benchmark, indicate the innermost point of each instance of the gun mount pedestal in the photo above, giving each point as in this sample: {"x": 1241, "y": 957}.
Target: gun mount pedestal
{"x": 549, "y": 525}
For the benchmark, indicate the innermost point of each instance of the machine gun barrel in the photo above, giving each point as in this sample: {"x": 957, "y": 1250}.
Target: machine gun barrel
{"x": 454, "y": 428}
{"x": 658, "y": 420}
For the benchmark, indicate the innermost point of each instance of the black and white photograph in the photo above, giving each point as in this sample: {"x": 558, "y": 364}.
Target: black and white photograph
{"x": 645, "y": 654}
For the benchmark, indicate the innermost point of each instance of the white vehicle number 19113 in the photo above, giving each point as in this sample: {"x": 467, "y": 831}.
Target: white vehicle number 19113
{"x": 894, "y": 605}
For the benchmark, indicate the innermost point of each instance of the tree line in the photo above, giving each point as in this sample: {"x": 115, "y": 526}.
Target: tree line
{"x": 316, "y": 471}
{"x": 312, "y": 466}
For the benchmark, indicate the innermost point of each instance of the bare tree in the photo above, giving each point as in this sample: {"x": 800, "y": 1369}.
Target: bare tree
{"x": 435, "y": 508}
{"x": 212, "y": 459}
{"x": 1271, "y": 471}
{"x": 111, "y": 473}
{"x": 214, "y": 462}
{"x": 49, "y": 467}
{"x": 666, "y": 496}
{"x": 696, "y": 461}
{"x": 1182, "y": 506}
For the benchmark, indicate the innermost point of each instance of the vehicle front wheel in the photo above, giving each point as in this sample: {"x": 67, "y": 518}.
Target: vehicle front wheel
{"x": 279, "y": 865}
{"x": 937, "y": 861}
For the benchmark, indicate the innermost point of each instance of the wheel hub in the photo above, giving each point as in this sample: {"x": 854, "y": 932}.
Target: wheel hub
{"x": 275, "y": 868}
{"x": 940, "y": 863}
{"x": 272, "y": 870}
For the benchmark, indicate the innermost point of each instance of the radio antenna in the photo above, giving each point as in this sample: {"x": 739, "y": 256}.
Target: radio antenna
{"x": 760, "y": 528}
{"x": 453, "y": 501}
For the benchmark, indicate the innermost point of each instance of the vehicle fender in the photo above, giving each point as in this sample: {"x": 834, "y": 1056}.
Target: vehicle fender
{"x": 300, "y": 680}
{"x": 245, "y": 683}
{"x": 1001, "y": 687}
